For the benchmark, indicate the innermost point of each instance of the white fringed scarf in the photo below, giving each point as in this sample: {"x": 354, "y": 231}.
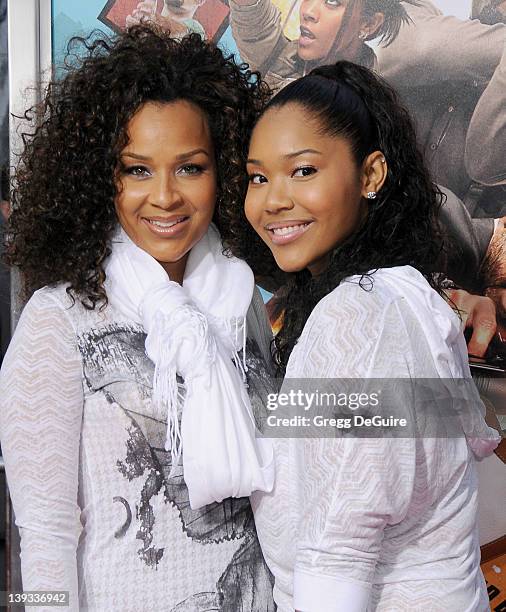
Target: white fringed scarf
{"x": 196, "y": 330}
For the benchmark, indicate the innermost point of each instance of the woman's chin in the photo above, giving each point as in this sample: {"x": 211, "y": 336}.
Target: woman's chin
{"x": 290, "y": 267}
{"x": 307, "y": 54}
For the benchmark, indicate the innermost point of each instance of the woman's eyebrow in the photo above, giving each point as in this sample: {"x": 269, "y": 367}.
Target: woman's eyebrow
{"x": 301, "y": 152}
{"x": 135, "y": 155}
{"x": 179, "y": 157}
{"x": 191, "y": 154}
{"x": 287, "y": 155}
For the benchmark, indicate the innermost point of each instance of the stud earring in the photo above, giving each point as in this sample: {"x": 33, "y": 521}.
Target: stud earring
{"x": 363, "y": 35}
{"x": 372, "y": 195}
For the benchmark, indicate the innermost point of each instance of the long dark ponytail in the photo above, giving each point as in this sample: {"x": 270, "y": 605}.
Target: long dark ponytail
{"x": 401, "y": 228}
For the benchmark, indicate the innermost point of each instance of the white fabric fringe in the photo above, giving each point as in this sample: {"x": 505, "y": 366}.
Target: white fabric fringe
{"x": 197, "y": 330}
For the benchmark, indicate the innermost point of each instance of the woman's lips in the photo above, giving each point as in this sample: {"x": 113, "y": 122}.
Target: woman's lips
{"x": 306, "y": 36}
{"x": 288, "y": 232}
{"x": 166, "y": 227}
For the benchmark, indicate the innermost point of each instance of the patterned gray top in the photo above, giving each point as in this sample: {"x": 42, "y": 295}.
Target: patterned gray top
{"x": 88, "y": 474}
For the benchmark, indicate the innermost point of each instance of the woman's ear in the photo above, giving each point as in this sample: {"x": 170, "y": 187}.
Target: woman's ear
{"x": 374, "y": 173}
{"x": 371, "y": 25}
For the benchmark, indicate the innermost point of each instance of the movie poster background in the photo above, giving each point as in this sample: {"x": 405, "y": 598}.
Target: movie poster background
{"x": 449, "y": 69}
{"x": 451, "y": 73}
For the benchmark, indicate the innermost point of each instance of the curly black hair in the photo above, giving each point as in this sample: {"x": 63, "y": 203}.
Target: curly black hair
{"x": 401, "y": 228}
{"x": 64, "y": 189}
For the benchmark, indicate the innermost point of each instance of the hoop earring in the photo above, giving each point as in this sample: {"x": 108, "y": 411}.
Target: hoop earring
{"x": 372, "y": 195}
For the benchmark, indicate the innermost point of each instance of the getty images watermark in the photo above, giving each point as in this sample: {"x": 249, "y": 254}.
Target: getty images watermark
{"x": 367, "y": 408}
{"x": 312, "y": 402}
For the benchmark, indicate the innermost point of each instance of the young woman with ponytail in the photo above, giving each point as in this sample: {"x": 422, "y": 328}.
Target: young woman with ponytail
{"x": 340, "y": 198}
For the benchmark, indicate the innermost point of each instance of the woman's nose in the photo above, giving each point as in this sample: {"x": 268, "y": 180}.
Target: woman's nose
{"x": 164, "y": 193}
{"x": 278, "y": 199}
{"x": 310, "y": 11}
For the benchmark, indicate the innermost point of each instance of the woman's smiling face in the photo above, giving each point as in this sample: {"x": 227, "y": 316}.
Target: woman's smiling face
{"x": 167, "y": 182}
{"x": 305, "y": 193}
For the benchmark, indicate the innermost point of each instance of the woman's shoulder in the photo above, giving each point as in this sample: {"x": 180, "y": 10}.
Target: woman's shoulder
{"x": 368, "y": 323}
{"x": 57, "y": 303}
{"x": 45, "y": 333}
{"x": 53, "y": 298}
{"x": 344, "y": 330}
{"x": 390, "y": 297}
{"x": 51, "y": 295}
{"x": 368, "y": 293}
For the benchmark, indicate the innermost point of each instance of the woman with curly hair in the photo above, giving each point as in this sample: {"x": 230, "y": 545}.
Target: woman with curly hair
{"x": 136, "y": 316}
{"x": 340, "y": 199}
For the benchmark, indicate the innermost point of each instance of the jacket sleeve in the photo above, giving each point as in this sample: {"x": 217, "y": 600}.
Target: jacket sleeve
{"x": 256, "y": 28}
{"x": 484, "y": 153}
{"x": 436, "y": 47}
{"x": 41, "y": 402}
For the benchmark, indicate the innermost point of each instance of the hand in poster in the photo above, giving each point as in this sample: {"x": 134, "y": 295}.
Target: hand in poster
{"x": 498, "y": 295}
{"x": 146, "y": 11}
{"x": 494, "y": 269}
{"x": 486, "y": 315}
{"x": 479, "y": 314}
